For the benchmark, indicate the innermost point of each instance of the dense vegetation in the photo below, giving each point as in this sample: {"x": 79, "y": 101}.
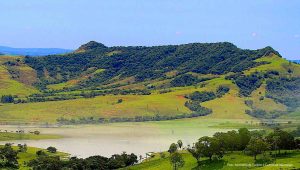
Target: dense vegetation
{"x": 247, "y": 83}
{"x": 7, "y": 99}
{"x": 230, "y": 150}
{"x": 202, "y": 73}
{"x": 46, "y": 162}
{"x": 285, "y": 90}
{"x": 144, "y": 62}
{"x": 49, "y": 160}
{"x": 252, "y": 142}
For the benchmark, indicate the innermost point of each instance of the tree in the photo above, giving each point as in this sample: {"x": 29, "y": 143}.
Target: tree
{"x": 244, "y": 137}
{"x": 8, "y": 157}
{"x": 22, "y": 148}
{"x": 172, "y": 148}
{"x": 284, "y": 140}
{"x": 7, "y": 99}
{"x": 120, "y": 100}
{"x": 257, "y": 146}
{"x": 209, "y": 146}
{"x": 176, "y": 160}
{"x": 195, "y": 153}
{"x": 36, "y": 132}
{"x": 51, "y": 149}
{"x": 40, "y": 153}
{"x": 179, "y": 143}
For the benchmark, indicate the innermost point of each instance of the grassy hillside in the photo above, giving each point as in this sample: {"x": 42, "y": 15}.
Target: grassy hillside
{"x": 104, "y": 82}
{"x": 30, "y": 154}
{"x": 20, "y": 85}
{"x": 235, "y": 160}
{"x": 172, "y": 103}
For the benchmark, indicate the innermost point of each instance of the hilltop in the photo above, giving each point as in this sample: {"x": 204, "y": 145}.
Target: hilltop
{"x": 97, "y": 83}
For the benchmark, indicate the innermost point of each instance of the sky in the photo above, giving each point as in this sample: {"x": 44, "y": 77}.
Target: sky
{"x": 250, "y": 24}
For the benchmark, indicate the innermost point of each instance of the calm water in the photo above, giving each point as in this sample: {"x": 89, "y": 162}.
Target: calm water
{"x": 84, "y": 141}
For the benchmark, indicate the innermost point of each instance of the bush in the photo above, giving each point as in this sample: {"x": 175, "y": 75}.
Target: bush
{"x": 222, "y": 90}
{"x": 51, "y": 149}
{"x": 202, "y": 96}
{"x": 184, "y": 80}
{"x": 7, "y": 99}
{"x": 248, "y": 84}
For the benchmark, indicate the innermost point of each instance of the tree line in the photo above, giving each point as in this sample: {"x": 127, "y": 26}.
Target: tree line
{"x": 250, "y": 142}
{"x": 47, "y": 160}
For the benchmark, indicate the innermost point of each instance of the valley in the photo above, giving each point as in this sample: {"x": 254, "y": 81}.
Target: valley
{"x": 103, "y": 100}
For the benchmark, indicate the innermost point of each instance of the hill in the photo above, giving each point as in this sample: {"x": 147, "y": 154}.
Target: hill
{"x": 297, "y": 61}
{"x": 96, "y": 84}
{"x": 32, "y": 51}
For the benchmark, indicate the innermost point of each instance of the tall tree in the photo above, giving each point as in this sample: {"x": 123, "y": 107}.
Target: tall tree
{"x": 172, "y": 148}
{"x": 257, "y": 146}
{"x": 176, "y": 160}
{"x": 179, "y": 143}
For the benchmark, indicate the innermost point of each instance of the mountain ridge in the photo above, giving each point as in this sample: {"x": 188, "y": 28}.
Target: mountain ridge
{"x": 146, "y": 62}
{"x": 115, "y": 84}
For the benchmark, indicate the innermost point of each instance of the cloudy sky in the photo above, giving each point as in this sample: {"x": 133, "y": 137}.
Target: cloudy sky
{"x": 249, "y": 24}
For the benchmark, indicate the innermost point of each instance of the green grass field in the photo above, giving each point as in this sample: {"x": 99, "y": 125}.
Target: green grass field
{"x": 229, "y": 106}
{"x": 30, "y": 154}
{"x": 230, "y": 161}
{"x": 275, "y": 63}
{"x": 8, "y": 136}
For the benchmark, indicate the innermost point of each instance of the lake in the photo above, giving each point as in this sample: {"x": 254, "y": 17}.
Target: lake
{"x": 138, "y": 138}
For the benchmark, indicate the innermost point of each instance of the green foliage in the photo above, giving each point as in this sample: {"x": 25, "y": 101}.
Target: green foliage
{"x": 195, "y": 153}
{"x": 248, "y": 84}
{"x": 284, "y": 90}
{"x": 285, "y": 140}
{"x": 176, "y": 160}
{"x": 144, "y": 62}
{"x": 51, "y": 149}
{"x": 209, "y": 146}
{"x": 184, "y": 80}
{"x": 257, "y": 146}
{"x": 180, "y": 144}
{"x": 202, "y": 96}
{"x": 244, "y": 137}
{"x": 116, "y": 161}
{"x": 7, "y": 99}
{"x": 8, "y": 157}
{"x": 258, "y": 113}
{"x": 197, "y": 108}
{"x": 22, "y": 148}
{"x": 173, "y": 148}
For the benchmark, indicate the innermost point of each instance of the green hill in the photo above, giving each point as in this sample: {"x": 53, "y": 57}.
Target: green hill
{"x": 96, "y": 84}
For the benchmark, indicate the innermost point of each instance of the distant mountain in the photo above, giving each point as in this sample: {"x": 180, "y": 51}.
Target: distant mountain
{"x": 144, "y": 63}
{"x": 297, "y": 61}
{"x": 32, "y": 51}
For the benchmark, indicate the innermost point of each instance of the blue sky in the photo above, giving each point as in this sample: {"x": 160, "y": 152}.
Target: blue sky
{"x": 249, "y": 24}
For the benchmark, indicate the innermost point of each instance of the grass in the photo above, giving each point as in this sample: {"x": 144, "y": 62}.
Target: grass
{"x": 30, "y": 154}
{"x": 12, "y": 86}
{"x": 8, "y": 136}
{"x": 266, "y": 104}
{"x": 230, "y": 106}
{"x": 230, "y": 161}
{"x": 275, "y": 63}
